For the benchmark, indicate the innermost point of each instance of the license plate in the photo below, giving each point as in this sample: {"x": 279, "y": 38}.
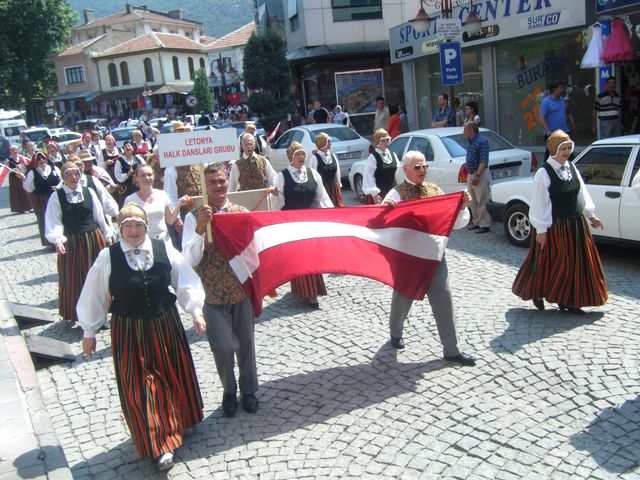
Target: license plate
{"x": 349, "y": 155}
{"x": 504, "y": 172}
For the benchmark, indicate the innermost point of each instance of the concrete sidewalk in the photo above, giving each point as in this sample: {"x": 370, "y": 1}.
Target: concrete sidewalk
{"x": 30, "y": 446}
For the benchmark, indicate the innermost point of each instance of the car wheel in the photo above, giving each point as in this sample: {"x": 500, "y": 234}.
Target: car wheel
{"x": 516, "y": 224}
{"x": 357, "y": 186}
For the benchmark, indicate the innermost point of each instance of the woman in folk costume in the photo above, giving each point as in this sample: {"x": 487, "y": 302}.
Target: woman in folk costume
{"x": 380, "y": 170}
{"x": 54, "y": 154}
{"x": 300, "y": 187}
{"x": 326, "y": 164}
{"x": 563, "y": 265}
{"x": 159, "y": 392}
{"x": 75, "y": 224}
{"x": 19, "y": 198}
{"x": 42, "y": 180}
{"x": 124, "y": 169}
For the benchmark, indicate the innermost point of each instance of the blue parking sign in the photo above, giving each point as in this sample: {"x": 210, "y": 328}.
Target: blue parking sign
{"x": 451, "y": 63}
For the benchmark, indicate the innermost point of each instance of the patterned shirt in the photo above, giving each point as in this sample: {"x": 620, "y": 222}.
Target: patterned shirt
{"x": 477, "y": 153}
{"x": 447, "y": 114}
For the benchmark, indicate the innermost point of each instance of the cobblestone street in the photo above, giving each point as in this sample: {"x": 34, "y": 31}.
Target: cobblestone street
{"x": 554, "y": 395}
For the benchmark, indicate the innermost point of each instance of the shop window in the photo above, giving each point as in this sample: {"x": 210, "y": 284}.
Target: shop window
{"x": 148, "y": 70}
{"x": 351, "y": 10}
{"x": 113, "y": 74}
{"x": 191, "y": 67}
{"x": 124, "y": 73}
{"x": 604, "y": 165}
{"x": 176, "y": 68}
{"x": 74, "y": 75}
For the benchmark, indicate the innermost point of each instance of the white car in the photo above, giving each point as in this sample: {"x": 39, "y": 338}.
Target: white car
{"x": 607, "y": 168}
{"x": 445, "y": 151}
{"x": 346, "y": 144}
{"x": 63, "y": 139}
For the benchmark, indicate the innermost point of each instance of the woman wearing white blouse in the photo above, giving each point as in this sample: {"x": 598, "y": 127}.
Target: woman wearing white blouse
{"x": 42, "y": 181}
{"x": 156, "y": 203}
{"x": 75, "y": 223}
{"x": 326, "y": 164}
{"x": 563, "y": 265}
{"x": 159, "y": 392}
{"x": 379, "y": 172}
{"x": 123, "y": 170}
{"x": 300, "y": 187}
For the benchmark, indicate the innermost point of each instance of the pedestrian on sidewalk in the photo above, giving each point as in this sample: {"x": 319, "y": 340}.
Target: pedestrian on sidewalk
{"x": 159, "y": 391}
{"x": 478, "y": 177}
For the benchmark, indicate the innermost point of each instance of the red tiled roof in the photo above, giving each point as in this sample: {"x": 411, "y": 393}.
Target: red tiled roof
{"x": 122, "y": 17}
{"x": 204, "y": 39}
{"x": 237, "y": 37}
{"x": 74, "y": 49}
{"x": 153, "y": 41}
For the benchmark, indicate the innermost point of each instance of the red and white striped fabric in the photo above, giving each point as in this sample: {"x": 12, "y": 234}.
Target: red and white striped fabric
{"x": 3, "y": 172}
{"x": 400, "y": 246}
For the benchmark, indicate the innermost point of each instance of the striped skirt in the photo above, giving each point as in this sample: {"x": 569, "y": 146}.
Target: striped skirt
{"x": 82, "y": 249}
{"x": 19, "y": 198}
{"x": 334, "y": 190}
{"x": 369, "y": 200}
{"x": 308, "y": 286}
{"x": 567, "y": 271}
{"x": 159, "y": 391}
{"x": 39, "y": 208}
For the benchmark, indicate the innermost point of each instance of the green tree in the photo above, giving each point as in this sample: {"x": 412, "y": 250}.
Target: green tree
{"x": 201, "y": 91}
{"x": 32, "y": 32}
{"x": 266, "y": 70}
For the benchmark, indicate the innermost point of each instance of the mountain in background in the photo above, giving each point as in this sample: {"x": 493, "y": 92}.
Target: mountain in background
{"x": 218, "y": 17}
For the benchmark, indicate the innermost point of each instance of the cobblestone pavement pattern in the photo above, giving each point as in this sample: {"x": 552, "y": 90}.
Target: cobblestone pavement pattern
{"x": 553, "y": 395}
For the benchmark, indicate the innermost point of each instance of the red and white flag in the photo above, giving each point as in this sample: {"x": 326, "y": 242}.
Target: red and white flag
{"x": 4, "y": 171}
{"x": 400, "y": 246}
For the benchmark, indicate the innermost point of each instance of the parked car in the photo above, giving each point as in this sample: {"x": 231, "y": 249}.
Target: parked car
{"x": 346, "y": 144}
{"x": 90, "y": 124}
{"x": 607, "y": 168}
{"x": 122, "y": 134}
{"x": 445, "y": 151}
{"x": 36, "y": 134}
{"x": 63, "y": 139}
{"x": 128, "y": 123}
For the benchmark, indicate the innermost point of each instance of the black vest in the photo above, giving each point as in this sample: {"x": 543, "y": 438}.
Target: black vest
{"x": 90, "y": 183}
{"x": 125, "y": 165}
{"x": 563, "y": 193}
{"x": 42, "y": 185}
{"x": 77, "y": 217}
{"x": 140, "y": 294}
{"x": 385, "y": 172}
{"x": 327, "y": 171}
{"x": 298, "y": 196}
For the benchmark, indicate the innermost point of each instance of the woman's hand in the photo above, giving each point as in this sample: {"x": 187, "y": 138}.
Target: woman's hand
{"x": 541, "y": 239}
{"x": 108, "y": 163}
{"x": 377, "y": 199}
{"x": 199, "y": 324}
{"x": 60, "y": 250}
{"x": 88, "y": 346}
{"x": 596, "y": 223}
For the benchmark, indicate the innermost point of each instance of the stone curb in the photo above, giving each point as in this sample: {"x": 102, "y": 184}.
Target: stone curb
{"x": 30, "y": 448}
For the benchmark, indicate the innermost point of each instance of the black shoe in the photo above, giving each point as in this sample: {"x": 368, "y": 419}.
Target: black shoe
{"x": 397, "y": 342}
{"x": 577, "y": 311}
{"x": 463, "y": 359}
{"x": 314, "y": 305}
{"x": 250, "y": 403}
{"x": 229, "y": 404}
{"x": 165, "y": 462}
{"x": 483, "y": 230}
{"x": 538, "y": 303}
{"x": 473, "y": 227}
{"x": 106, "y": 326}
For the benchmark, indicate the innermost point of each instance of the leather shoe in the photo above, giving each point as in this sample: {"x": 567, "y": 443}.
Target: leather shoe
{"x": 165, "y": 462}
{"x": 250, "y": 403}
{"x": 473, "y": 227}
{"x": 314, "y": 305}
{"x": 397, "y": 342}
{"x": 538, "y": 303}
{"x": 229, "y": 404}
{"x": 483, "y": 230}
{"x": 463, "y": 359}
{"x": 577, "y": 311}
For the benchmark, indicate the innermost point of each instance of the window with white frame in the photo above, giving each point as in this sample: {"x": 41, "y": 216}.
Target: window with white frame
{"x": 74, "y": 75}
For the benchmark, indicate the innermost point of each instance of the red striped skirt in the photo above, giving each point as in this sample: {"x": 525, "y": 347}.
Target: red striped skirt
{"x": 567, "y": 271}
{"x": 157, "y": 383}
{"x": 39, "y": 208}
{"x": 369, "y": 200}
{"x": 335, "y": 193}
{"x": 308, "y": 286}
{"x": 82, "y": 249}
{"x": 19, "y": 198}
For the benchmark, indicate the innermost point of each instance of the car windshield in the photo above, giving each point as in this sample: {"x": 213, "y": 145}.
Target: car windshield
{"x": 123, "y": 134}
{"x": 456, "y": 145}
{"x": 337, "y": 134}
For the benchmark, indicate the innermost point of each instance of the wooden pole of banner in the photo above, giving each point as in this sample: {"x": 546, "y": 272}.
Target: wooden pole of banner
{"x": 205, "y": 198}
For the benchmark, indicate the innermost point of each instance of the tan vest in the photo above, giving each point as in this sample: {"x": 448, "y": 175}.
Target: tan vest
{"x": 221, "y": 285}
{"x": 253, "y": 172}
{"x": 188, "y": 181}
{"x": 408, "y": 191}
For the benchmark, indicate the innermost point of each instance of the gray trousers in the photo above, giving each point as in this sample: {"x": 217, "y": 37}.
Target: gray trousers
{"x": 609, "y": 128}
{"x": 230, "y": 331}
{"x": 479, "y": 197}
{"x": 439, "y": 296}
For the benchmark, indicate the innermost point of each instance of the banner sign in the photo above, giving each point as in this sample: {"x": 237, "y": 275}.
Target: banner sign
{"x": 204, "y": 146}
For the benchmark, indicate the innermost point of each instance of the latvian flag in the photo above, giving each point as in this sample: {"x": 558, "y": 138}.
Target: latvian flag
{"x": 400, "y": 246}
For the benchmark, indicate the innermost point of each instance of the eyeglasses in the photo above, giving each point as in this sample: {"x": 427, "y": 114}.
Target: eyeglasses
{"x": 385, "y": 139}
{"x": 421, "y": 166}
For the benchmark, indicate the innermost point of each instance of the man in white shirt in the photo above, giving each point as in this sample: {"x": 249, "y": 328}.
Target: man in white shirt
{"x": 381, "y": 119}
{"x": 251, "y": 171}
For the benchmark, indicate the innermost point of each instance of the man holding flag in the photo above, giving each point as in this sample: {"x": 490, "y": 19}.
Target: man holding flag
{"x": 414, "y": 187}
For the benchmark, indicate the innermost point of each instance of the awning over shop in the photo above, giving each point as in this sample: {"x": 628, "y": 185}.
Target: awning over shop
{"x": 125, "y": 92}
{"x": 179, "y": 88}
{"x": 309, "y": 53}
{"x": 87, "y": 96}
